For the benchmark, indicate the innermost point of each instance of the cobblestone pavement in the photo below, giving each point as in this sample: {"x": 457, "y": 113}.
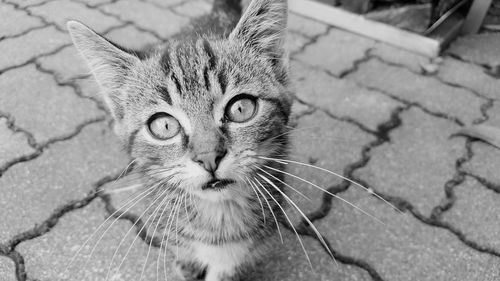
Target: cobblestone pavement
{"x": 364, "y": 110}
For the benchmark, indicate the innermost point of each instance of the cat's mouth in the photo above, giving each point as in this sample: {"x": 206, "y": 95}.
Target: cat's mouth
{"x": 217, "y": 184}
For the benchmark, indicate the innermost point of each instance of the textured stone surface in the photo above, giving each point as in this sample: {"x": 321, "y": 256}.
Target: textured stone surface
{"x": 41, "y": 106}
{"x": 426, "y": 91}
{"x": 14, "y": 144}
{"x": 27, "y": 3}
{"x": 50, "y": 255}
{"x": 59, "y": 12}
{"x": 295, "y": 42}
{"x": 7, "y": 269}
{"x": 166, "y": 3}
{"x": 145, "y": 15}
{"x": 17, "y": 51}
{"x": 193, "y": 8}
{"x": 347, "y": 48}
{"x": 477, "y": 48}
{"x": 15, "y": 22}
{"x": 476, "y": 213}
{"x": 398, "y": 56}
{"x": 470, "y": 76}
{"x": 66, "y": 64}
{"x": 306, "y": 26}
{"x": 404, "y": 249}
{"x": 130, "y": 37}
{"x": 341, "y": 98}
{"x": 485, "y": 162}
{"x": 401, "y": 167}
{"x": 66, "y": 171}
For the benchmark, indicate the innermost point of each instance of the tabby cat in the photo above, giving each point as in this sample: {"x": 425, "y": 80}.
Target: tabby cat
{"x": 201, "y": 116}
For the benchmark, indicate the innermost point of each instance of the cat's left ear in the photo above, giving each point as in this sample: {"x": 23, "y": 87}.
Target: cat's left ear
{"x": 263, "y": 27}
{"x": 109, "y": 63}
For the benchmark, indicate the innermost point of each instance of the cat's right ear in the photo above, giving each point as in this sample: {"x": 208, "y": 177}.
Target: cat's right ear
{"x": 108, "y": 62}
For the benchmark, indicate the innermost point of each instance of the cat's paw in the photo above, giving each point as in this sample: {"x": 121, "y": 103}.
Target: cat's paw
{"x": 190, "y": 271}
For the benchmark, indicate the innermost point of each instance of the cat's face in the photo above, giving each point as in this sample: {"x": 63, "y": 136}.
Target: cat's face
{"x": 197, "y": 114}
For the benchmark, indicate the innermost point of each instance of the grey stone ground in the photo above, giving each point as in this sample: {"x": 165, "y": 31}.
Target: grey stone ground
{"x": 365, "y": 110}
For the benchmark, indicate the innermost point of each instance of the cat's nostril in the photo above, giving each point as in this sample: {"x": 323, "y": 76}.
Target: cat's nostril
{"x": 210, "y": 160}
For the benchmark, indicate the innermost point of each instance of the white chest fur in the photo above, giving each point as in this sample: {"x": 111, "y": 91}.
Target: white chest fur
{"x": 222, "y": 260}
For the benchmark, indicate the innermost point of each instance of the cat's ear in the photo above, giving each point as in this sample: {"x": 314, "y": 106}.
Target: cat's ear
{"x": 109, "y": 64}
{"x": 263, "y": 27}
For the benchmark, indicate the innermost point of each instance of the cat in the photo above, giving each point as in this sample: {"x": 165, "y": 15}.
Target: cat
{"x": 201, "y": 116}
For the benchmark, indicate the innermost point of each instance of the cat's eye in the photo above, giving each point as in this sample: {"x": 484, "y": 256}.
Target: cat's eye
{"x": 163, "y": 126}
{"x": 241, "y": 108}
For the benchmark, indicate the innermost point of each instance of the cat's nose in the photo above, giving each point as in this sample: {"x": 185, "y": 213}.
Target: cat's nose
{"x": 210, "y": 160}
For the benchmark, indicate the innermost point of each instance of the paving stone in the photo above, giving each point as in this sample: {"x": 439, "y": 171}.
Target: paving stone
{"x": 132, "y": 38}
{"x": 341, "y": 97}
{"x": 48, "y": 256}
{"x": 17, "y": 51}
{"x": 427, "y": 91}
{"x": 485, "y": 162}
{"x": 15, "y": 21}
{"x": 7, "y": 269}
{"x": 42, "y": 107}
{"x": 26, "y": 3}
{"x": 478, "y": 48}
{"x": 470, "y": 76}
{"x": 194, "y": 9}
{"x": 336, "y": 52}
{"x": 295, "y": 42}
{"x": 89, "y": 88}
{"x": 476, "y": 213}
{"x": 327, "y": 143}
{"x": 145, "y": 15}
{"x": 66, "y": 64}
{"x": 166, "y": 3}
{"x": 65, "y": 171}
{"x": 399, "y": 56}
{"x": 417, "y": 162}
{"x": 59, "y": 12}
{"x": 94, "y": 3}
{"x": 305, "y": 26}
{"x": 404, "y": 249}
{"x": 14, "y": 144}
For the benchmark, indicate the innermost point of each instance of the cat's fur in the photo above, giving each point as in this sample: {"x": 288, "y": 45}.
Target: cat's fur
{"x": 219, "y": 233}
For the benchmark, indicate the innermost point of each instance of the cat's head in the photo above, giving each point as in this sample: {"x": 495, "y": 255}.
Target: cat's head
{"x": 197, "y": 114}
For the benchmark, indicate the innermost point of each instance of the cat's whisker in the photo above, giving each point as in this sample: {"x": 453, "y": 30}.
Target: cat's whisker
{"x": 162, "y": 245}
{"x": 125, "y": 170}
{"x": 136, "y": 199}
{"x": 290, "y": 222}
{"x": 128, "y": 232}
{"x": 165, "y": 202}
{"x": 313, "y": 227}
{"x": 329, "y": 193}
{"x": 122, "y": 189}
{"x": 294, "y": 130}
{"x": 177, "y": 231}
{"x": 258, "y": 198}
{"x": 171, "y": 219}
{"x": 335, "y": 174}
{"x": 291, "y": 187}
{"x": 271, "y": 210}
{"x": 156, "y": 210}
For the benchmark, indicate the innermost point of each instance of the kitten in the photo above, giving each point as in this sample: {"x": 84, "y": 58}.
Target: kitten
{"x": 198, "y": 115}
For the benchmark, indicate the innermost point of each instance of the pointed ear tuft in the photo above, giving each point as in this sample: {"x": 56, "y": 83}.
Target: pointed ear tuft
{"x": 109, "y": 63}
{"x": 263, "y": 27}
